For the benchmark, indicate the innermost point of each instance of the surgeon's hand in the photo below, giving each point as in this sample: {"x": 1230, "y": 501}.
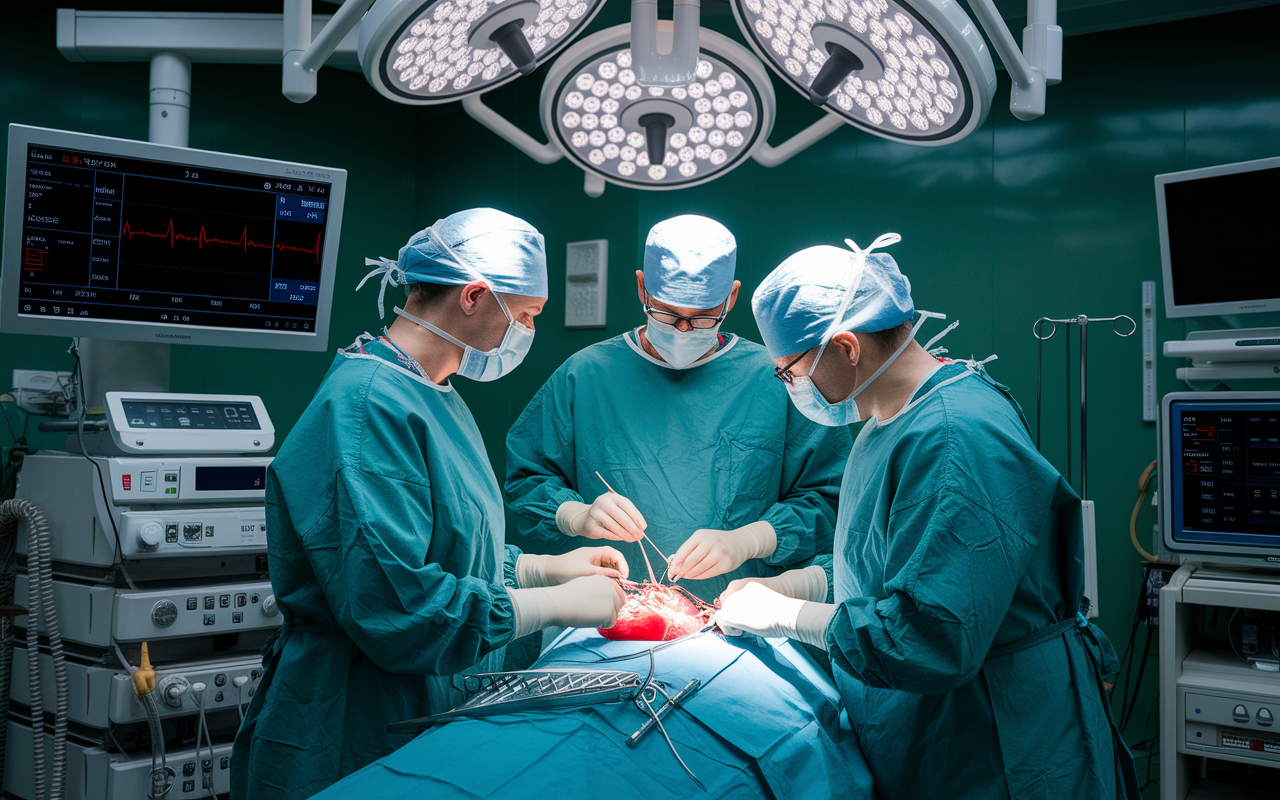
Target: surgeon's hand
{"x": 589, "y": 602}
{"x": 708, "y": 553}
{"x": 808, "y": 584}
{"x": 611, "y": 516}
{"x": 757, "y": 609}
{"x": 540, "y": 570}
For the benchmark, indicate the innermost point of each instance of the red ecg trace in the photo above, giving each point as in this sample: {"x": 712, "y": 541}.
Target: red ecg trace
{"x": 244, "y": 242}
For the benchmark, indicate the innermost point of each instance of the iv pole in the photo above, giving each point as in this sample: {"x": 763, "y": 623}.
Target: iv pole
{"x": 1086, "y": 505}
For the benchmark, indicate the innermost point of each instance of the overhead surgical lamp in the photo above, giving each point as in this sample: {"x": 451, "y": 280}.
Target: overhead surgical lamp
{"x": 596, "y": 113}
{"x": 422, "y": 52}
{"x": 914, "y": 71}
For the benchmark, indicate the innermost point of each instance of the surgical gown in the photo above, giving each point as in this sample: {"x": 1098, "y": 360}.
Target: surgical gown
{"x": 717, "y": 445}
{"x": 385, "y": 544}
{"x": 954, "y": 538}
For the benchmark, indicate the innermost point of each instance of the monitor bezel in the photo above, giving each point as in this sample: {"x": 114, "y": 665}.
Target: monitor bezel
{"x": 1223, "y": 553}
{"x": 1166, "y": 268}
{"x": 22, "y": 136}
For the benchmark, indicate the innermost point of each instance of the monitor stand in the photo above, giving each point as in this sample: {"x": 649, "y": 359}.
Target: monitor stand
{"x": 112, "y": 366}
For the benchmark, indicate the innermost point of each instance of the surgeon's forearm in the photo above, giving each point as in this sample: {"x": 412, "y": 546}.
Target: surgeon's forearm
{"x": 808, "y": 584}
{"x": 533, "y": 609}
{"x": 570, "y": 516}
{"x": 813, "y": 620}
{"x": 801, "y": 527}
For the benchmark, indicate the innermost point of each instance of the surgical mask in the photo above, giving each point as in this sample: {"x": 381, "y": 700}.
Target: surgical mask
{"x": 810, "y": 402}
{"x": 680, "y": 348}
{"x": 486, "y": 365}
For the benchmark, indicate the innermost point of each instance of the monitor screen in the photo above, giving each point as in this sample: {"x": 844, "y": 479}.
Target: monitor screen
{"x": 1224, "y": 470}
{"x": 1215, "y": 237}
{"x": 174, "y": 242}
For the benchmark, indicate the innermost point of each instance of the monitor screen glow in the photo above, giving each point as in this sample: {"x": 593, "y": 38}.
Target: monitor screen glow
{"x": 117, "y": 239}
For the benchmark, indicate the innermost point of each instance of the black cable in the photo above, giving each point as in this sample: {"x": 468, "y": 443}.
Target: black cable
{"x": 1142, "y": 668}
{"x": 6, "y": 417}
{"x": 78, "y": 377}
{"x": 1128, "y": 651}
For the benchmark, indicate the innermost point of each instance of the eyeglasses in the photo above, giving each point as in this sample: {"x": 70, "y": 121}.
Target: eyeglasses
{"x": 784, "y": 373}
{"x": 668, "y": 318}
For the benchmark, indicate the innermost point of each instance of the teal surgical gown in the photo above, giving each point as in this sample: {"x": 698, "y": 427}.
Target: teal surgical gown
{"x": 956, "y": 538}
{"x": 385, "y": 544}
{"x": 716, "y": 445}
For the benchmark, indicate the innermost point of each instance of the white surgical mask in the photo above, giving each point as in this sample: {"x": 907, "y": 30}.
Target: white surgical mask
{"x": 486, "y": 365}
{"x": 680, "y": 348}
{"x": 810, "y": 402}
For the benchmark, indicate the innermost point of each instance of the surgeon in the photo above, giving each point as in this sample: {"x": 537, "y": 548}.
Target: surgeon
{"x": 958, "y": 634}
{"x": 708, "y": 462}
{"x": 386, "y": 524}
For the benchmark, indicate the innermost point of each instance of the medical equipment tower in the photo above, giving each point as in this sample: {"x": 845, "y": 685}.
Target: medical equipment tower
{"x": 142, "y": 542}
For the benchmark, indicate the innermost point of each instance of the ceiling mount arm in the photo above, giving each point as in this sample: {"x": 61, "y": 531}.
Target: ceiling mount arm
{"x": 1041, "y": 65}
{"x": 304, "y": 57}
{"x": 769, "y": 156}
{"x": 679, "y": 65}
{"x": 504, "y": 128}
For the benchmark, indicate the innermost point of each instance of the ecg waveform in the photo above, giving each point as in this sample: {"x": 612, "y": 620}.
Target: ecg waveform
{"x": 202, "y": 238}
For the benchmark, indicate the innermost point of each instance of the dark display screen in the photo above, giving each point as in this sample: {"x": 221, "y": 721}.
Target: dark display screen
{"x": 124, "y": 239}
{"x": 1226, "y": 473}
{"x": 193, "y": 416}
{"x": 230, "y": 479}
{"x": 1221, "y": 248}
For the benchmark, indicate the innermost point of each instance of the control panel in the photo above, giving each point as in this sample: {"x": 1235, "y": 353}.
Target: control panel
{"x": 116, "y": 776}
{"x": 184, "y": 532}
{"x": 101, "y": 696}
{"x": 92, "y": 615}
{"x": 1229, "y": 708}
{"x": 148, "y": 513}
{"x": 153, "y": 422}
{"x": 136, "y": 481}
{"x": 1244, "y": 725}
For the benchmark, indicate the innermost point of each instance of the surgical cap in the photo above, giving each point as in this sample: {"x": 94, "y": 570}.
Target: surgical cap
{"x": 505, "y": 250}
{"x": 689, "y": 262}
{"x": 805, "y": 301}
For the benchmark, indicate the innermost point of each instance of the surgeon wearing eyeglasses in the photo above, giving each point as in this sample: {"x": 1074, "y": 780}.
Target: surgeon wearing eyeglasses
{"x": 959, "y": 637}
{"x": 708, "y": 460}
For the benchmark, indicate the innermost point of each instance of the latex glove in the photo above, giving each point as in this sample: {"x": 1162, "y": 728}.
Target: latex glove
{"x": 611, "y": 516}
{"x": 533, "y": 571}
{"x": 589, "y": 602}
{"x": 757, "y": 609}
{"x": 708, "y": 553}
{"x": 809, "y": 584}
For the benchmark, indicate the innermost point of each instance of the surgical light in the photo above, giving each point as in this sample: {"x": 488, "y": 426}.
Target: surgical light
{"x": 656, "y": 137}
{"x": 915, "y": 71}
{"x": 434, "y": 51}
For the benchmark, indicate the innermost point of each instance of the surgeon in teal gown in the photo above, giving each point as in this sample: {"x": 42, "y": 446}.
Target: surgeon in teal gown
{"x": 706, "y": 457}
{"x": 386, "y": 525}
{"x": 958, "y": 636}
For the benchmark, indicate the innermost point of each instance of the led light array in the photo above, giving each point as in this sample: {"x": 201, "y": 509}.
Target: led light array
{"x": 432, "y": 58}
{"x": 592, "y": 118}
{"x": 910, "y": 85}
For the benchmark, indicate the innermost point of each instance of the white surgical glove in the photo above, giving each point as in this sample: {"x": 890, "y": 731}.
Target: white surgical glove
{"x": 708, "y": 553}
{"x": 611, "y": 516}
{"x": 589, "y": 602}
{"x": 762, "y": 611}
{"x": 533, "y": 571}
{"x": 809, "y": 584}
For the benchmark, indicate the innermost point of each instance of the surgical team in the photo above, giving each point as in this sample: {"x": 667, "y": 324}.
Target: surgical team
{"x": 936, "y": 558}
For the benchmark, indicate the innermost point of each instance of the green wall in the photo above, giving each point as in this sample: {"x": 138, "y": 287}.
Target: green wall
{"x": 1021, "y": 220}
